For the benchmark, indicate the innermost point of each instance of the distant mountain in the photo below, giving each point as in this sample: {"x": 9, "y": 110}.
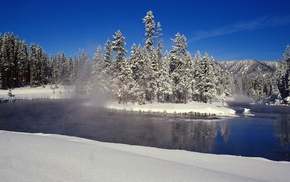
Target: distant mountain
{"x": 242, "y": 67}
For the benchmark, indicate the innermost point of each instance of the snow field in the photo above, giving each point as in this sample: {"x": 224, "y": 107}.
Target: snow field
{"x": 39, "y": 157}
{"x": 40, "y": 92}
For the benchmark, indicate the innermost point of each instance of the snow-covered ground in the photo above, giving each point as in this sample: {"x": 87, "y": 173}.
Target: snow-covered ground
{"x": 39, "y": 92}
{"x": 195, "y": 107}
{"x": 41, "y": 157}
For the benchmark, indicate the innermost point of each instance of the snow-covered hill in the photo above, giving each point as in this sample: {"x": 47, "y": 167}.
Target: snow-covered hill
{"x": 242, "y": 67}
{"x": 46, "y": 158}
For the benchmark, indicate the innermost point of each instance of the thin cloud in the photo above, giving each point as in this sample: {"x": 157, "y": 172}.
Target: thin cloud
{"x": 241, "y": 26}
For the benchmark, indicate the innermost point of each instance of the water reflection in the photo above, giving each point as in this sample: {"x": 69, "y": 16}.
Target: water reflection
{"x": 283, "y": 129}
{"x": 225, "y": 130}
{"x": 194, "y": 136}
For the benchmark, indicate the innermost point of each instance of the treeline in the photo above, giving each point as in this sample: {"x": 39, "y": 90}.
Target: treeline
{"x": 21, "y": 65}
{"x": 146, "y": 74}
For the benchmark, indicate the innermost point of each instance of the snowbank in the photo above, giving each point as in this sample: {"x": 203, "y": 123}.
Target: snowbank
{"x": 68, "y": 92}
{"x": 195, "y": 107}
{"x": 40, "y": 157}
{"x": 39, "y": 92}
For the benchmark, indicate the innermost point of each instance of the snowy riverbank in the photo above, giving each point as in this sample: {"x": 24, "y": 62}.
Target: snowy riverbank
{"x": 62, "y": 92}
{"x": 42, "y": 157}
{"x": 192, "y": 107}
{"x": 39, "y": 92}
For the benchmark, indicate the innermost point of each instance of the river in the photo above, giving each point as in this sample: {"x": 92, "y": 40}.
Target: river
{"x": 265, "y": 134}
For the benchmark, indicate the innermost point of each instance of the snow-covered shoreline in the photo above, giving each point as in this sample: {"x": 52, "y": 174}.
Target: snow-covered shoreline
{"x": 192, "y": 107}
{"x": 62, "y": 92}
{"x": 27, "y": 93}
{"x": 45, "y": 157}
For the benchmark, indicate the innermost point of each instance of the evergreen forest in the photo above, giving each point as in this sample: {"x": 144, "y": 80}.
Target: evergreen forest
{"x": 146, "y": 73}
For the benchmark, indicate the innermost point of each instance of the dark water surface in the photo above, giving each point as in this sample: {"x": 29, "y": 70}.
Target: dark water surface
{"x": 264, "y": 135}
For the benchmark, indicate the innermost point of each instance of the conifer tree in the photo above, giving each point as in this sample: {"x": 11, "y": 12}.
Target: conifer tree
{"x": 98, "y": 71}
{"x": 22, "y": 63}
{"x": 180, "y": 69}
{"x": 165, "y": 81}
{"x": 7, "y": 60}
{"x": 41, "y": 66}
{"x": 159, "y": 43}
{"x": 197, "y": 75}
{"x": 1, "y": 62}
{"x": 108, "y": 57}
{"x": 118, "y": 46}
{"x": 107, "y": 68}
{"x": 151, "y": 64}
{"x": 33, "y": 61}
{"x": 150, "y": 29}
{"x": 208, "y": 89}
{"x": 70, "y": 68}
{"x": 284, "y": 74}
{"x": 137, "y": 61}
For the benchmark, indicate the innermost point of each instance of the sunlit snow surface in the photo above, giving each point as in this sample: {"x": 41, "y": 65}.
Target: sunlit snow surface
{"x": 40, "y": 92}
{"x": 39, "y": 157}
{"x": 195, "y": 107}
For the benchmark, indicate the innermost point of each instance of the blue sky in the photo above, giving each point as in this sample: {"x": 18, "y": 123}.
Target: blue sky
{"x": 227, "y": 30}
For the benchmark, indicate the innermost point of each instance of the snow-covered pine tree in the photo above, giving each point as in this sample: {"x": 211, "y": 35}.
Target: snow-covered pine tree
{"x": 98, "y": 73}
{"x": 286, "y": 58}
{"x": 127, "y": 81}
{"x": 137, "y": 61}
{"x": 15, "y": 71}
{"x": 7, "y": 60}
{"x": 198, "y": 75}
{"x": 69, "y": 72}
{"x": 107, "y": 69}
{"x": 41, "y": 66}
{"x": 22, "y": 63}
{"x": 160, "y": 64}
{"x": 1, "y": 62}
{"x": 210, "y": 79}
{"x": 118, "y": 46}
{"x": 149, "y": 22}
{"x": 33, "y": 61}
{"x": 54, "y": 71}
{"x": 108, "y": 57}
{"x": 151, "y": 63}
{"x": 62, "y": 67}
{"x": 206, "y": 78}
{"x": 284, "y": 84}
{"x": 181, "y": 69}
{"x": 159, "y": 43}
{"x": 165, "y": 82}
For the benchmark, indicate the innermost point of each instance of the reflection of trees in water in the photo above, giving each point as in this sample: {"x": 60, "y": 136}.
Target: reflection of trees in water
{"x": 283, "y": 129}
{"x": 197, "y": 136}
{"x": 225, "y": 130}
{"x": 68, "y": 117}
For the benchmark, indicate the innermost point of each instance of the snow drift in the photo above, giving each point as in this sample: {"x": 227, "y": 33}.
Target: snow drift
{"x": 41, "y": 157}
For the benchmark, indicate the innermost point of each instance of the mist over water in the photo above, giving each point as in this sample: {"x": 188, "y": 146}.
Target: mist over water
{"x": 268, "y": 134}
